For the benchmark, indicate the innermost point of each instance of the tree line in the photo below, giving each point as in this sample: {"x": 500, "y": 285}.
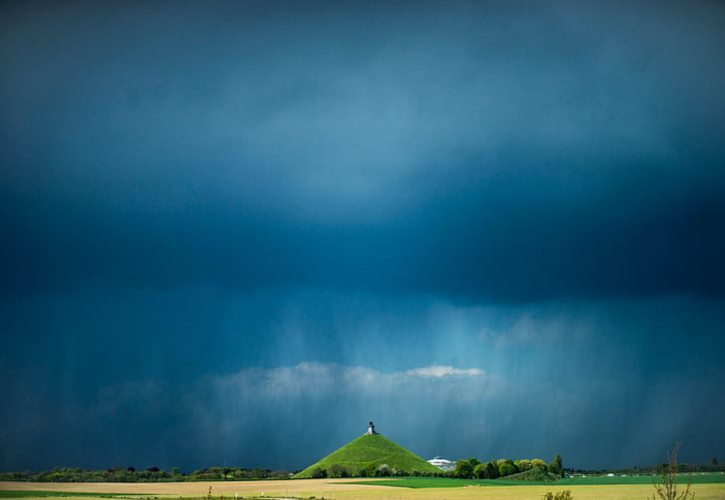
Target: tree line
{"x": 470, "y": 468}
{"x": 473, "y": 468}
{"x": 369, "y": 470}
{"x": 150, "y": 474}
{"x": 712, "y": 466}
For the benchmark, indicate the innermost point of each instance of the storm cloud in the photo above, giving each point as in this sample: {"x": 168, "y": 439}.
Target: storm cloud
{"x": 521, "y": 194}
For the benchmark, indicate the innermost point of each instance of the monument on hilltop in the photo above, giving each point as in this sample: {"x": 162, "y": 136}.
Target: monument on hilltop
{"x": 371, "y": 428}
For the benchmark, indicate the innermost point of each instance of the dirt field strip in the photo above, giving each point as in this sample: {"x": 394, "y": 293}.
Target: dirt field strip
{"x": 341, "y": 489}
{"x": 198, "y": 489}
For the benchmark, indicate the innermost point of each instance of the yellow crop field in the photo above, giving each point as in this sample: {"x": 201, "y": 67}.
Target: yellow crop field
{"x": 343, "y": 489}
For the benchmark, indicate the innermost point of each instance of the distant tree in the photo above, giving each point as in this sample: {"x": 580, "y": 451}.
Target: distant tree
{"x": 175, "y": 471}
{"x": 464, "y": 469}
{"x": 131, "y": 469}
{"x": 556, "y": 466}
{"x": 714, "y": 461}
{"x": 506, "y": 467}
{"x": 538, "y": 463}
{"x": 153, "y": 468}
{"x": 318, "y": 473}
{"x": 485, "y": 471}
{"x": 491, "y": 471}
{"x": 666, "y": 486}
{"x": 479, "y": 471}
{"x": 368, "y": 470}
{"x": 523, "y": 465}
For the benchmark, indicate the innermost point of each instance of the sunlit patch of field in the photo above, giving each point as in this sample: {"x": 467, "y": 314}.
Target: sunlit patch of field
{"x": 344, "y": 489}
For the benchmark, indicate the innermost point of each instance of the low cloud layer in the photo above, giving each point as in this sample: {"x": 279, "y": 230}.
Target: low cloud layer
{"x": 439, "y": 371}
{"x": 316, "y": 379}
{"x": 440, "y": 378}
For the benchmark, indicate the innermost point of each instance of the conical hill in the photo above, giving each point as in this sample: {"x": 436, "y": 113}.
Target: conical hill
{"x": 367, "y": 453}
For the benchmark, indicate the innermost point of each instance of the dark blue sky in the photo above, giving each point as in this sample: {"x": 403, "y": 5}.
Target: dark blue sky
{"x": 234, "y": 232}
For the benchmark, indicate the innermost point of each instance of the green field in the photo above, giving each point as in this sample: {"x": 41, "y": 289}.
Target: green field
{"x": 433, "y": 482}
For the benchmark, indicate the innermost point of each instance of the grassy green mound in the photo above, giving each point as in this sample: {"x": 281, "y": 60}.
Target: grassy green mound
{"x": 367, "y": 453}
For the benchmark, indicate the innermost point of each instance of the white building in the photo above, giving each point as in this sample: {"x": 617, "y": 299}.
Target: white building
{"x": 442, "y": 463}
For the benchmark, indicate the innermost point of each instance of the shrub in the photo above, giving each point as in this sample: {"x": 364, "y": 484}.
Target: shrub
{"x": 562, "y": 495}
{"x": 666, "y": 487}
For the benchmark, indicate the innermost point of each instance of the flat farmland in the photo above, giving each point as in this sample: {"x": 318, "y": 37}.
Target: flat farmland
{"x": 344, "y": 489}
